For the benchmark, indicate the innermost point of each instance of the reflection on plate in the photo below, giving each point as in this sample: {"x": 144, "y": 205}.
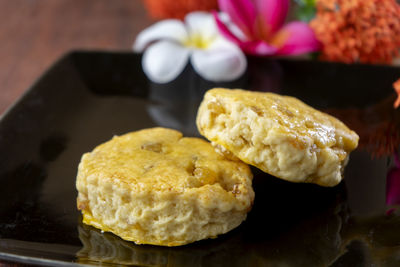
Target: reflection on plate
{"x": 86, "y": 98}
{"x": 328, "y": 239}
{"x": 313, "y": 242}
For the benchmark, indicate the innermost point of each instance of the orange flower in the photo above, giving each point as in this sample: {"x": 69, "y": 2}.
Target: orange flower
{"x": 366, "y": 31}
{"x": 396, "y": 86}
{"x": 163, "y": 9}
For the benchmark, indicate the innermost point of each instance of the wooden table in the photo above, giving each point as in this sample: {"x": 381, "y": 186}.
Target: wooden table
{"x": 35, "y": 33}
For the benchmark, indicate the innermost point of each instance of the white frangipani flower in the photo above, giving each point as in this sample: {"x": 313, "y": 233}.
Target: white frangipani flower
{"x": 168, "y": 45}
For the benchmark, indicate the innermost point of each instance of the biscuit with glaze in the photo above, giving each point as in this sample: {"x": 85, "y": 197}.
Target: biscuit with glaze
{"x": 156, "y": 187}
{"x": 280, "y": 135}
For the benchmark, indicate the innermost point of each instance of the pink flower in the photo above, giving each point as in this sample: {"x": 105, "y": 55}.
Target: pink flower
{"x": 257, "y": 26}
{"x": 393, "y": 185}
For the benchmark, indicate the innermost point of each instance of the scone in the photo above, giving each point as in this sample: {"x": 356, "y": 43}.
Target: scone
{"x": 155, "y": 187}
{"x": 278, "y": 134}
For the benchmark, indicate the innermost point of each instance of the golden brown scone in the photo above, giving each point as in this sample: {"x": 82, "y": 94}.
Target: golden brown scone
{"x": 278, "y": 134}
{"x": 155, "y": 187}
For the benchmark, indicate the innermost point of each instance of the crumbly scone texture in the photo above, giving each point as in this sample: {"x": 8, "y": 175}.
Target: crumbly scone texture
{"x": 280, "y": 135}
{"x": 156, "y": 187}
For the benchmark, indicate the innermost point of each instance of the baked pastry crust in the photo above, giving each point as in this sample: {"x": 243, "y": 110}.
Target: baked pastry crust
{"x": 156, "y": 187}
{"x": 280, "y": 135}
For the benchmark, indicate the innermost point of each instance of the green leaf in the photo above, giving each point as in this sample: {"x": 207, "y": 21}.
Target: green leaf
{"x": 305, "y": 9}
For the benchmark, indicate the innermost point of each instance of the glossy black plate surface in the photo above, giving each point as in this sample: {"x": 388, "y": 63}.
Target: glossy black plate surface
{"x": 86, "y": 98}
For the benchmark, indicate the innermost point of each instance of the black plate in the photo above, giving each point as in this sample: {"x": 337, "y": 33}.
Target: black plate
{"x": 86, "y": 98}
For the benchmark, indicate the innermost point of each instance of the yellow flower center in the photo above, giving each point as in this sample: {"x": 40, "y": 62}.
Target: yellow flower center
{"x": 198, "y": 41}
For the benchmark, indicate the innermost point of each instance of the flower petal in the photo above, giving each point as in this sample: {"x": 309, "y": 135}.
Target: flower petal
{"x": 224, "y": 30}
{"x": 233, "y": 28}
{"x": 393, "y": 184}
{"x": 223, "y": 61}
{"x": 393, "y": 188}
{"x": 250, "y": 47}
{"x": 201, "y": 24}
{"x": 171, "y": 29}
{"x": 296, "y": 38}
{"x": 163, "y": 61}
{"x": 242, "y": 13}
{"x": 259, "y": 48}
{"x": 273, "y": 13}
{"x": 396, "y": 86}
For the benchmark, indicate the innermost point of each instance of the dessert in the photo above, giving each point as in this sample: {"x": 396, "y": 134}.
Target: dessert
{"x": 280, "y": 135}
{"x": 154, "y": 186}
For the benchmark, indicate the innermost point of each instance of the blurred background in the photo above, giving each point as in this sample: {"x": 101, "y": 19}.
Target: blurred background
{"x": 35, "y": 33}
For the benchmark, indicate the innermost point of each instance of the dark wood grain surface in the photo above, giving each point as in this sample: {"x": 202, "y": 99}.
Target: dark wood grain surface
{"x": 35, "y": 33}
